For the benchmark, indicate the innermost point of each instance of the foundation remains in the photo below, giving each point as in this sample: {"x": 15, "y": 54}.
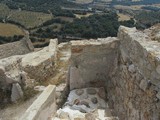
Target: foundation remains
{"x": 103, "y": 79}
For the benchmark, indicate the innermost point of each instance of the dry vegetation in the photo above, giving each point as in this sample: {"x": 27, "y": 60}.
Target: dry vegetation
{"x": 123, "y": 17}
{"x": 80, "y": 16}
{"x": 10, "y": 30}
{"x": 83, "y": 1}
{"x": 132, "y": 7}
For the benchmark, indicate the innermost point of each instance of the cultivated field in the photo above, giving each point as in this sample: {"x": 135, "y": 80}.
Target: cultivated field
{"x": 29, "y": 19}
{"x": 10, "y": 30}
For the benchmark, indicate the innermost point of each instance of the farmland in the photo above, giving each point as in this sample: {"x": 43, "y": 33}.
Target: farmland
{"x": 28, "y": 19}
{"x": 10, "y": 30}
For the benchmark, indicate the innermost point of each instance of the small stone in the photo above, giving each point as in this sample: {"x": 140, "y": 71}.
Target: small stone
{"x": 91, "y": 91}
{"x": 132, "y": 68}
{"x": 79, "y": 92}
{"x": 76, "y": 101}
{"x": 94, "y": 100}
{"x": 39, "y": 88}
{"x": 144, "y": 84}
{"x": 64, "y": 115}
{"x": 85, "y": 103}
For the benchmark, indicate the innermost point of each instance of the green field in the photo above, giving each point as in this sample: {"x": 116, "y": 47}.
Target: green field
{"x": 29, "y": 19}
{"x": 10, "y": 30}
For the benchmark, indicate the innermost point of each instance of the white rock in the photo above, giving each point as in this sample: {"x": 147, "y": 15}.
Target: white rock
{"x": 39, "y": 88}
{"x": 17, "y": 92}
{"x": 132, "y": 68}
{"x": 144, "y": 84}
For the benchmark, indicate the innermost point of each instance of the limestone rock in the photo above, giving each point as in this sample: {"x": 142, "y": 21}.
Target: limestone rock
{"x": 64, "y": 115}
{"x": 132, "y": 68}
{"x": 39, "y": 88}
{"x": 144, "y": 84}
{"x": 17, "y": 92}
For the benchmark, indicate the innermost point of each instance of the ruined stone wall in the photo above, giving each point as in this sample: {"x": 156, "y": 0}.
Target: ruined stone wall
{"x": 91, "y": 62}
{"x": 27, "y": 70}
{"x": 134, "y": 86}
{"x": 21, "y": 47}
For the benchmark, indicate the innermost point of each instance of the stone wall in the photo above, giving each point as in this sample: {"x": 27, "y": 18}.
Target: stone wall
{"x": 27, "y": 70}
{"x": 21, "y": 47}
{"x": 134, "y": 86}
{"x": 91, "y": 62}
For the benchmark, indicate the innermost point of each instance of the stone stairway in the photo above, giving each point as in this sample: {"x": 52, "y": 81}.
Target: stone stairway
{"x": 85, "y": 104}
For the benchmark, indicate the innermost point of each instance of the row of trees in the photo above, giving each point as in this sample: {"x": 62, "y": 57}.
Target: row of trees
{"x": 94, "y": 26}
{"x": 14, "y": 38}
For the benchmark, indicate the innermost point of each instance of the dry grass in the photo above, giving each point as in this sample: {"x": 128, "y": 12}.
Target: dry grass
{"x": 123, "y": 17}
{"x": 7, "y": 29}
{"x": 80, "y": 16}
{"x": 132, "y": 7}
{"x": 66, "y": 19}
{"x": 83, "y": 1}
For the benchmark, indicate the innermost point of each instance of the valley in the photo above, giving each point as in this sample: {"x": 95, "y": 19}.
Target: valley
{"x": 50, "y": 20}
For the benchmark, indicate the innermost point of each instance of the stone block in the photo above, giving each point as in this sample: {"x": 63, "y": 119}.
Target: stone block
{"x": 144, "y": 84}
{"x": 43, "y": 106}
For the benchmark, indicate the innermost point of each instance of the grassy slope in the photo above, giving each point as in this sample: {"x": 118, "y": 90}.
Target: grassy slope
{"x": 10, "y": 30}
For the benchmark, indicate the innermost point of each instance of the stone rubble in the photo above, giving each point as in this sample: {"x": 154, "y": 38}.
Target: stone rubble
{"x": 82, "y": 104}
